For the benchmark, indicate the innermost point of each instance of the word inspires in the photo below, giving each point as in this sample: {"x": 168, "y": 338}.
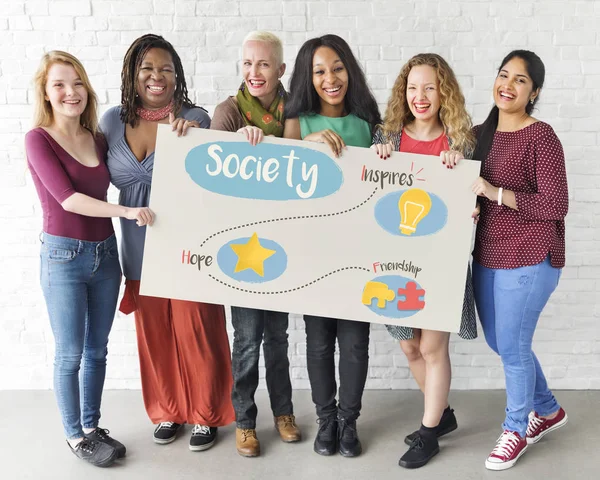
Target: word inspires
{"x": 403, "y": 266}
{"x": 384, "y": 178}
{"x": 195, "y": 259}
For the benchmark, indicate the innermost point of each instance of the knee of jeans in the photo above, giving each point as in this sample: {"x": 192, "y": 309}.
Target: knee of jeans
{"x": 68, "y": 362}
{"x": 355, "y": 351}
{"x": 320, "y": 350}
{"x": 276, "y": 338}
{"x": 95, "y": 354}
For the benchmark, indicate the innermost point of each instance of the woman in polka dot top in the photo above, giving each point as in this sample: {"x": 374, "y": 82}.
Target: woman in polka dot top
{"x": 519, "y": 247}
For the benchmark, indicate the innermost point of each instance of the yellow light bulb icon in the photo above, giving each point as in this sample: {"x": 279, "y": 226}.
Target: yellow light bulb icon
{"x": 414, "y": 205}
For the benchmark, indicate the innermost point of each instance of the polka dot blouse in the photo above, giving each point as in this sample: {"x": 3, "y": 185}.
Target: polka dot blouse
{"x": 531, "y": 163}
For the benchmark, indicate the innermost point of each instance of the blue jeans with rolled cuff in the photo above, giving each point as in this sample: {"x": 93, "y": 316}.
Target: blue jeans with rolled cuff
{"x": 80, "y": 281}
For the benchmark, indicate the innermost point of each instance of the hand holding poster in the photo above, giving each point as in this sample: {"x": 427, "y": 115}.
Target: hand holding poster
{"x": 283, "y": 226}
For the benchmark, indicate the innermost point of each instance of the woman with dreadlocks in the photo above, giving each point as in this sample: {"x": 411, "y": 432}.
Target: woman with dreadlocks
{"x": 183, "y": 347}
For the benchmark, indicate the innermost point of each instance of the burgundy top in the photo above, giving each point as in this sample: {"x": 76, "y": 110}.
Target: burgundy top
{"x": 531, "y": 163}
{"x": 57, "y": 176}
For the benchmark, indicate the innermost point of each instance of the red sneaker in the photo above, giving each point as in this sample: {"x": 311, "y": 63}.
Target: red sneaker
{"x": 508, "y": 449}
{"x": 538, "y": 426}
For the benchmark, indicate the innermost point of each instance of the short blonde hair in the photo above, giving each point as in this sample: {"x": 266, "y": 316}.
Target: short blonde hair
{"x": 43, "y": 115}
{"x": 270, "y": 38}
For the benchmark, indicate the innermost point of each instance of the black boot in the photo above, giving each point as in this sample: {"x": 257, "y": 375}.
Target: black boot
{"x": 447, "y": 424}
{"x": 349, "y": 443}
{"x": 326, "y": 441}
{"x": 422, "y": 449}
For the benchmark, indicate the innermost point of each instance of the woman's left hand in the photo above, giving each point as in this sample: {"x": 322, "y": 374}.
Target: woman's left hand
{"x": 254, "y": 135}
{"x": 180, "y": 125}
{"x": 450, "y": 158}
{"x": 483, "y": 188}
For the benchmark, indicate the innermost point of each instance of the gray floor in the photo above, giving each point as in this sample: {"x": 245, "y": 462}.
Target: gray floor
{"x": 31, "y": 445}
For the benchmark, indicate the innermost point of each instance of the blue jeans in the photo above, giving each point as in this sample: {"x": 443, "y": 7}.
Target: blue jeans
{"x": 80, "y": 281}
{"x": 251, "y": 327}
{"x": 509, "y": 303}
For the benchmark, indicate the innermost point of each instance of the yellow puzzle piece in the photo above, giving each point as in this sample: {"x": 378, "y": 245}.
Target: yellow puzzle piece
{"x": 377, "y": 290}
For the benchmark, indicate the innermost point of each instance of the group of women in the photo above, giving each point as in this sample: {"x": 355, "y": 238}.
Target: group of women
{"x": 187, "y": 373}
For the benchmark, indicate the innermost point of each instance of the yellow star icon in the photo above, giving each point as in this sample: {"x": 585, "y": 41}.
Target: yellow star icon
{"x": 251, "y": 255}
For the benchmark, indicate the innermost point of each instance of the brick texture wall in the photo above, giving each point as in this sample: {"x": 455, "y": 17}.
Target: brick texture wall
{"x": 472, "y": 35}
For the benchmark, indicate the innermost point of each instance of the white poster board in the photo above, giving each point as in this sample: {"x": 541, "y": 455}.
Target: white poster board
{"x": 284, "y": 226}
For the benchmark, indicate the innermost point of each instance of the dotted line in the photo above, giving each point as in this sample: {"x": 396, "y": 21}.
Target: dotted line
{"x": 291, "y": 218}
{"x": 291, "y": 289}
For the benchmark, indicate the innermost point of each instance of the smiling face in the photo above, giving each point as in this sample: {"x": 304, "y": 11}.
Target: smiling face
{"x": 156, "y": 79}
{"x": 330, "y": 77}
{"x": 65, "y": 91}
{"x": 261, "y": 70}
{"x": 513, "y": 87}
{"x": 423, "y": 93}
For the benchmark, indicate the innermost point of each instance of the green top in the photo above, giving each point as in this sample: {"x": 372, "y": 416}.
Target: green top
{"x": 354, "y": 131}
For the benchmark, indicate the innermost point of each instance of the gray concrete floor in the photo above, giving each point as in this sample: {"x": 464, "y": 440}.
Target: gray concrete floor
{"x": 32, "y": 447}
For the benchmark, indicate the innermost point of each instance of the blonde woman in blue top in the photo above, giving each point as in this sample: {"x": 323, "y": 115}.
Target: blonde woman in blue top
{"x": 331, "y": 103}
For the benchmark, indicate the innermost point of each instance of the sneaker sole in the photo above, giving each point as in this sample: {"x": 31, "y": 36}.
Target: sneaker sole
{"x": 201, "y": 448}
{"x": 504, "y": 465}
{"x": 419, "y": 464}
{"x": 448, "y": 430}
{"x": 562, "y": 423}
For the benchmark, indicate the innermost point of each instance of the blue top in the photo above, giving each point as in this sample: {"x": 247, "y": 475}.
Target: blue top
{"x": 355, "y": 131}
{"x": 133, "y": 179}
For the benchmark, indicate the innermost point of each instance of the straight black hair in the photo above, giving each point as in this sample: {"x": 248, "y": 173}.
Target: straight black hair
{"x": 304, "y": 99}
{"x": 537, "y": 73}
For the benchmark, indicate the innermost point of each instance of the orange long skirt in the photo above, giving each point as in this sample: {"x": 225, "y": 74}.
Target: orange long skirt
{"x": 185, "y": 361}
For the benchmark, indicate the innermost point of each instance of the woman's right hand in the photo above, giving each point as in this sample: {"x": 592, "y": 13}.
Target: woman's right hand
{"x": 383, "y": 150}
{"x": 450, "y": 158}
{"x": 142, "y": 216}
{"x": 335, "y": 142}
{"x": 253, "y": 134}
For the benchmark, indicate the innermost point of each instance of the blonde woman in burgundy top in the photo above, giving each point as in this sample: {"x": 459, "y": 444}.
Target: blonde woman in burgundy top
{"x": 79, "y": 261}
{"x": 426, "y": 114}
{"x": 519, "y": 247}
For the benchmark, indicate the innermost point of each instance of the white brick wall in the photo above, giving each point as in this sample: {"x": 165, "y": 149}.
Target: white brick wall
{"x": 472, "y": 35}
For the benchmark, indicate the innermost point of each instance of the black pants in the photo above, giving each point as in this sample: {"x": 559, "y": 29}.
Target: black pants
{"x": 353, "y": 340}
{"x": 251, "y": 328}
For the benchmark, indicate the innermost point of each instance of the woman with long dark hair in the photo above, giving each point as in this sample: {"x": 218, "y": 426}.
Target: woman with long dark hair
{"x": 185, "y": 363}
{"x": 331, "y": 103}
{"x": 519, "y": 247}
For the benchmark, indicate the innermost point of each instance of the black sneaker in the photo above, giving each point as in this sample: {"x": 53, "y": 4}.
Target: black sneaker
{"x": 422, "y": 449}
{"x": 166, "y": 432}
{"x": 326, "y": 441}
{"x": 97, "y": 453}
{"x": 202, "y": 438}
{"x": 348, "y": 437}
{"x": 447, "y": 424}
{"x": 101, "y": 435}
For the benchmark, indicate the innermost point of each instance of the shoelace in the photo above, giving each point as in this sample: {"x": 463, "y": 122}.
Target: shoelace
{"x": 87, "y": 445}
{"x": 166, "y": 425}
{"x": 326, "y": 426}
{"x": 201, "y": 429}
{"x": 288, "y": 421}
{"x": 347, "y": 430}
{"x": 102, "y": 433}
{"x": 248, "y": 433}
{"x": 534, "y": 424}
{"x": 417, "y": 443}
{"x": 506, "y": 444}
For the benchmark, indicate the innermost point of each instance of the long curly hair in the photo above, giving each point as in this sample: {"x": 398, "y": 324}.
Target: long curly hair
{"x": 453, "y": 114}
{"x": 131, "y": 66}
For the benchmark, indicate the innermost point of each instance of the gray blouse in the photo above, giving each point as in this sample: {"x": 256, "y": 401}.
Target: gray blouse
{"x": 133, "y": 179}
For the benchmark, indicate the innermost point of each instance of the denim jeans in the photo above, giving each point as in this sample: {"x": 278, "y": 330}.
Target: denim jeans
{"x": 353, "y": 340}
{"x": 509, "y": 302}
{"x": 251, "y": 327}
{"x": 80, "y": 281}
